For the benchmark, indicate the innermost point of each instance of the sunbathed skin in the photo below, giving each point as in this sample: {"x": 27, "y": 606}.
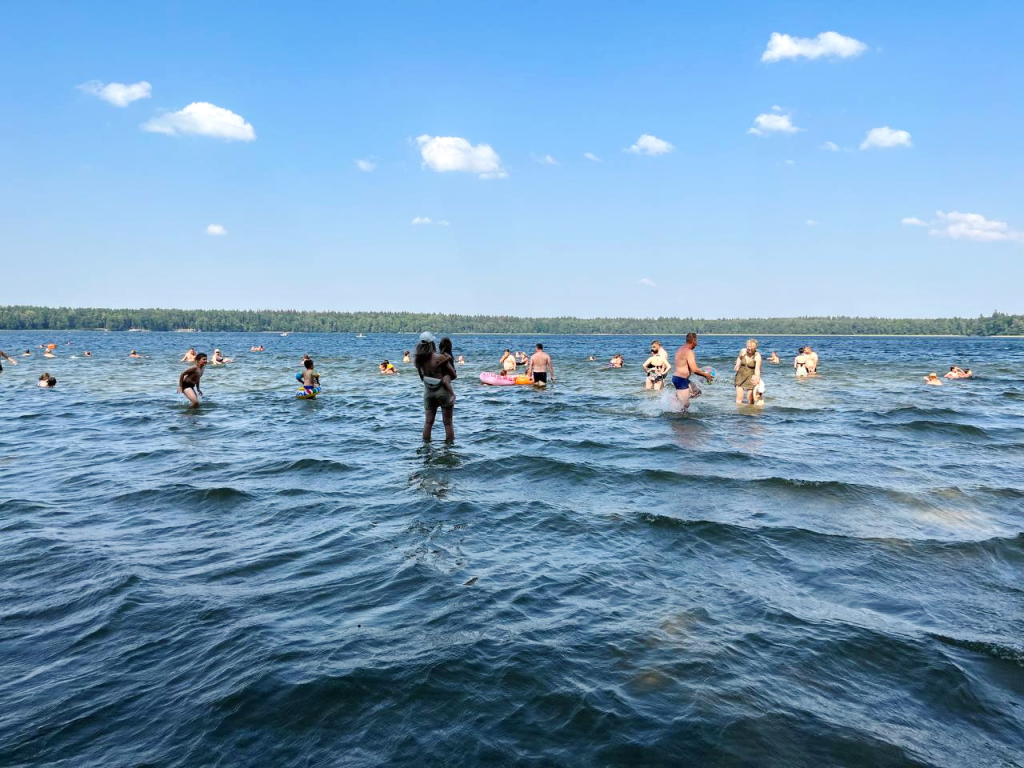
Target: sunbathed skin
{"x": 540, "y": 362}
{"x": 188, "y": 382}
{"x": 432, "y": 364}
{"x": 686, "y": 366}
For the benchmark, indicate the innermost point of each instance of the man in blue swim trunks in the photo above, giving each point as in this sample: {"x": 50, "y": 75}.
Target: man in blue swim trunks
{"x": 686, "y": 366}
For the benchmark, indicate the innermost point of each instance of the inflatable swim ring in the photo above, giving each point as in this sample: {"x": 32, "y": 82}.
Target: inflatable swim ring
{"x": 307, "y": 393}
{"x": 497, "y": 380}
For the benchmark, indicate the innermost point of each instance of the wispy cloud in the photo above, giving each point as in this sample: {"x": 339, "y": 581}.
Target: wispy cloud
{"x": 452, "y": 153}
{"x": 646, "y": 281}
{"x": 830, "y": 146}
{"x": 650, "y": 145}
{"x": 544, "y": 159}
{"x": 217, "y": 230}
{"x": 419, "y": 220}
{"x": 773, "y": 122}
{"x": 912, "y": 221}
{"x": 827, "y": 44}
{"x": 201, "y": 118}
{"x": 974, "y": 226}
{"x": 885, "y": 137}
{"x": 366, "y": 165}
{"x": 812, "y": 222}
{"x": 592, "y": 157}
{"x": 118, "y": 94}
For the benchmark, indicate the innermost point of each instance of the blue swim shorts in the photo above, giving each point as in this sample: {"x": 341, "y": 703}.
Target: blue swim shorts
{"x": 680, "y": 383}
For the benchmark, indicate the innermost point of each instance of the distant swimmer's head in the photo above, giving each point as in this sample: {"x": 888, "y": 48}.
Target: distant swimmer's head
{"x": 308, "y": 364}
{"x": 87, "y": 353}
{"x": 933, "y": 376}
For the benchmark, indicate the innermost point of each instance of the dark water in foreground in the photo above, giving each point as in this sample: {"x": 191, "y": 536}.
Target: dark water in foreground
{"x": 585, "y": 578}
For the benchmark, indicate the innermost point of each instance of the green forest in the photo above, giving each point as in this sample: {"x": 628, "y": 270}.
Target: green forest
{"x": 69, "y": 318}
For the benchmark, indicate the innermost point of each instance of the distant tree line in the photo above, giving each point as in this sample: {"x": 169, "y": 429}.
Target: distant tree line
{"x": 69, "y": 318}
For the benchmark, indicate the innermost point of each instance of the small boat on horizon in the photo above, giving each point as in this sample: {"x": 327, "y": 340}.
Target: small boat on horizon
{"x": 360, "y": 336}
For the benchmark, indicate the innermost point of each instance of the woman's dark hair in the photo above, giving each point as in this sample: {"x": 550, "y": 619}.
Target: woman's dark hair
{"x": 445, "y": 347}
{"x": 51, "y": 382}
{"x": 424, "y": 350}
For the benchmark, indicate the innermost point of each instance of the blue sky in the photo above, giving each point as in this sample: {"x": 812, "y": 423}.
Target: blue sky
{"x": 106, "y": 198}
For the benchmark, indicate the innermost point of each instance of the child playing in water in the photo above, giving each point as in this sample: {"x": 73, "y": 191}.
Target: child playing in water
{"x": 445, "y": 348}
{"x": 310, "y": 378}
{"x": 188, "y": 382}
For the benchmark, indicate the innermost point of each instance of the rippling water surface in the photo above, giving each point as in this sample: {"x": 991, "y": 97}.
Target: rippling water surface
{"x": 585, "y": 578}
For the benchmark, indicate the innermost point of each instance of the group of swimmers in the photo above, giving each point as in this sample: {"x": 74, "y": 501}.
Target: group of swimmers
{"x": 955, "y": 372}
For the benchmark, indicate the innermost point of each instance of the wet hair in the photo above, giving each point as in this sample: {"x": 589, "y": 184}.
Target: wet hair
{"x": 423, "y": 352}
{"x": 308, "y": 362}
{"x": 445, "y": 346}
{"x": 305, "y": 357}
{"x": 691, "y": 337}
{"x": 201, "y": 355}
{"x": 539, "y": 345}
{"x": 384, "y": 364}
{"x": 52, "y": 381}
{"x": 44, "y": 377}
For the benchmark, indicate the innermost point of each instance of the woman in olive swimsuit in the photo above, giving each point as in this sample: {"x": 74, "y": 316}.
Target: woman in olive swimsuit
{"x": 748, "y": 371}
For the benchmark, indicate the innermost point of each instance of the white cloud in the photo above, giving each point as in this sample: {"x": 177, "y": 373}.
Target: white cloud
{"x": 830, "y": 44}
{"x": 545, "y": 159}
{"x": 646, "y": 281}
{"x": 216, "y": 230}
{"x": 974, "y": 226}
{"x": 789, "y": 162}
{"x": 911, "y": 221}
{"x": 885, "y": 137}
{"x": 830, "y": 146}
{"x": 650, "y": 145}
{"x": 118, "y": 94}
{"x": 443, "y": 223}
{"x": 200, "y": 118}
{"x": 422, "y": 220}
{"x": 811, "y": 223}
{"x": 592, "y": 157}
{"x": 451, "y": 153}
{"x": 773, "y": 122}
{"x": 366, "y": 166}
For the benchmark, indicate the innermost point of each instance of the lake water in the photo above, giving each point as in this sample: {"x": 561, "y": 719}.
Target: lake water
{"x": 586, "y": 577}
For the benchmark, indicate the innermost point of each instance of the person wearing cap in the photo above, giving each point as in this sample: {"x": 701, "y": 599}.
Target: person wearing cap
{"x": 436, "y": 370}
{"x": 933, "y": 380}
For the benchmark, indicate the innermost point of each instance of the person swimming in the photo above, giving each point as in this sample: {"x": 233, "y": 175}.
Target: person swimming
{"x": 405, "y": 357}
{"x": 87, "y": 353}
{"x": 219, "y": 359}
{"x": 388, "y": 369}
{"x": 462, "y": 360}
{"x": 47, "y": 381}
{"x": 27, "y": 353}
{"x": 933, "y": 380}
{"x": 256, "y": 348}
{"x": 617, "y": 361}
{"x": 189, "y": 357}
{"x": 773, "y": 358}
{"x": 133, "y": 353}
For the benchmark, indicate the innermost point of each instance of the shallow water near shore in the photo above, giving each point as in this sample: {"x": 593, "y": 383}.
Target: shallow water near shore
{"x": 586, "y": 577}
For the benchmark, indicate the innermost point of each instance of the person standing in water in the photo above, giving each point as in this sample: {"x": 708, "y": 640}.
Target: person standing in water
{"x": 748, "y": 372}
{"x": 812, "y": 361}
{"x": 800, "y": 363}
{"x": 656, "y": 367}
{"x": 686, "y": 366}
{"x": 188, "y": 382}
{"x": 508, "y": 363}
{"x": 540, "y": 366}
{"x": 433, "y": 367}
